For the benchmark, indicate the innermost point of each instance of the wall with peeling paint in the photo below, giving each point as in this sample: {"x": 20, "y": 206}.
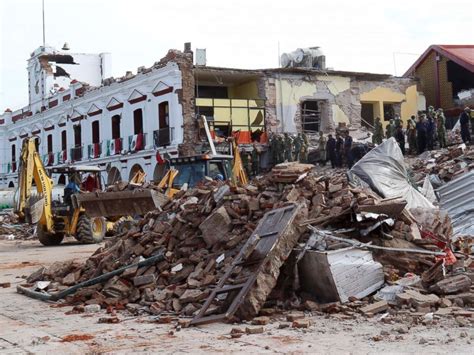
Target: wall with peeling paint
{"x": 341, "y": 97}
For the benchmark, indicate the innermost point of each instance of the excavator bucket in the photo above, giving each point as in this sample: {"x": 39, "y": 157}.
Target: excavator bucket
{"x": 120, "y": 203}
{"x": 34, "y": 209}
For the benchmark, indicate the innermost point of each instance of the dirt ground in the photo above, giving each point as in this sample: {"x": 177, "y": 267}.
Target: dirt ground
{"x": 31, "y": 326}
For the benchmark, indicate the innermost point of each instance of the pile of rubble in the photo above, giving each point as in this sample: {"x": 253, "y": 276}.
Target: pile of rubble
{"x": 447, "y": 164}
{"x": 11, "y": 228}
{"x": 246, "y": 248}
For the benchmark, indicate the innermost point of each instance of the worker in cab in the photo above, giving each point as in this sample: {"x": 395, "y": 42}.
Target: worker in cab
{"x": 71, "y": 188}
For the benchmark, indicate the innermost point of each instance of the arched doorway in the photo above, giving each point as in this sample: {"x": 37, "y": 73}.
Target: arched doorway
{"x": 135, "y": 169}
{"x": 159, "y": 172}
{"x": 113, "y": 176}
{"x": 11, "y": 184}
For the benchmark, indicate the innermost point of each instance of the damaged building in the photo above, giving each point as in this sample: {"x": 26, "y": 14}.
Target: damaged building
{"x": 128, "y": 124}
{"x": 446, "y": 76}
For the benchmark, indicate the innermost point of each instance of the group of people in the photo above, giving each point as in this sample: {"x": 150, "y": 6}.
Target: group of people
{"x": 337, "y": 149}
{"x": 284, "y": 147}
{"x": 421, "y": 132}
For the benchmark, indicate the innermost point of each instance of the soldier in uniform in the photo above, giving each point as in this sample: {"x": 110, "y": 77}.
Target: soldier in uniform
{"x": 273, "y": 149}
{"x": 304, "y": 149}
{"x": 322, "y": 148}
{"x": 378, "y": 132}
{"x": 288, "y": 144}
{"x": 298, "y": 143}
{"x": 441, "y": 128}
{"x": 255, "y": 160}
{"x": 397, "y": 123}
{"x": 390, "y": 130}
{"x": 339, "y": 147}
{"x": 280, "y": 149}
{"x": 411, "y": 135}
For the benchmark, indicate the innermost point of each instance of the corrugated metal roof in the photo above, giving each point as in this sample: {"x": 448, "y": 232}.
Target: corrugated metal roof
{"x": 457, "y": 198}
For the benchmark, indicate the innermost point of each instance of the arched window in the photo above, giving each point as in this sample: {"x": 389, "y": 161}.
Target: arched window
{"x": 135, "y": 169}
{"x": 62, "y": 179}
{"x": 113, "y": 176}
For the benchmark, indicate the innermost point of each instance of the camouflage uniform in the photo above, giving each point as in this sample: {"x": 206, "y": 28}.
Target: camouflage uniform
{"x": 304, "y": 149}
{"x": 441, "y": 128}
{"x": 298, "y": 143}
{"x": 390, "y": 130}
{"x": 288, "y": 144}
{"x": 411, "y": 135}
{"x": 378, "y": 132}
{"x": 322, "y": 148}
{"x": 280, "y": 150}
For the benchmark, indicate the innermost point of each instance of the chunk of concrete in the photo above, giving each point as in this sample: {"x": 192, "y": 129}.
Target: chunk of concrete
{"x": 216, "y": 226}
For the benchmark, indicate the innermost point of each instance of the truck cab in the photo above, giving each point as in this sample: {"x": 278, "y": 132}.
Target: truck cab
{"x": 194, "y": 169}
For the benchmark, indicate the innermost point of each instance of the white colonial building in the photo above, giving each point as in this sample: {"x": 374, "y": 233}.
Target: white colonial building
{"x": 82, "y": 116}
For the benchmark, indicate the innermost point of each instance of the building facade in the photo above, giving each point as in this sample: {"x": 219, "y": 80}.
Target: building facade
{"x": 82, "y": 116}
{"x": 118, "y": 124}
{"x": 446, "y": 75}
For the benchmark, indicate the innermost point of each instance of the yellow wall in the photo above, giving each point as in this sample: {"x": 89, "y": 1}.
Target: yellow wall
{"x": 248, "y": 90}
{"x": 380, "y": 95}
{"x": 335, "y": 84}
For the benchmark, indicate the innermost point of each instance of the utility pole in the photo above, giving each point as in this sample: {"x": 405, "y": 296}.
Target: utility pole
{"x": 44, "y": 35}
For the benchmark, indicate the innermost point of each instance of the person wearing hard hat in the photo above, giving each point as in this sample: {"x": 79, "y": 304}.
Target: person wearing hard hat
{"x": 464, "y": 119}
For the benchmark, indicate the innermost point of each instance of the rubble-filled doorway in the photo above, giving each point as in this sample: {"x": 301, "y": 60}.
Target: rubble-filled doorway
{"x": 311, "y": 115}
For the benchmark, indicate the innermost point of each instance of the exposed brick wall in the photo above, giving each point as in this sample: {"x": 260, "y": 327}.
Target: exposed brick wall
{"x": 446, "y": 88}
{"x": 426, "y": 72}
{"x": 186, "y": 99}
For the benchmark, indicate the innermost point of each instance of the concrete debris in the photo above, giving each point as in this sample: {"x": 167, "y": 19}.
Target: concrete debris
{"x": 204, "y": 230}
{"x": 11, "y": 228}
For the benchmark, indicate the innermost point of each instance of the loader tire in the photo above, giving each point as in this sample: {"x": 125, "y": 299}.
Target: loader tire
{"x": 123, "y": 225}
{"x": 48, "y": 239}
{"x": 90, "y": 230}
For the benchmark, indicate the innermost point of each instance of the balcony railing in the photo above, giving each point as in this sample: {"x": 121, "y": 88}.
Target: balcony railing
{"x": 114, "y": 146}
{"x": 76, "y": 154}
{"x": 162, "y": 137}
{"x": 136, "y": 142}
{"x": 94, "y": 150}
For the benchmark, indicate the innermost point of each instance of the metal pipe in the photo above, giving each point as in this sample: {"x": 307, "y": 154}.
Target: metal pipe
{"x": 58, "y": 295}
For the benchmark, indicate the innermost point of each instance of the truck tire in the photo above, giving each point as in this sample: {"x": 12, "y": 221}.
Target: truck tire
{"x": 90, "y": 230}
{"x": 48, "y": 239}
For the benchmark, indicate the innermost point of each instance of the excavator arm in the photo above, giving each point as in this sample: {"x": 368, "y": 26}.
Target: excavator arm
{"x": 32, "y": 169}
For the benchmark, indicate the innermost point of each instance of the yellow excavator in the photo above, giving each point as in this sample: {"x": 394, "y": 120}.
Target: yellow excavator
{"x": 54, "y": 219}
{"x": 188, "y": 171}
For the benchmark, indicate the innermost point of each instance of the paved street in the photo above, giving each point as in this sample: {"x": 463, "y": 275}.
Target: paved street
{"x": 31, "y": 326}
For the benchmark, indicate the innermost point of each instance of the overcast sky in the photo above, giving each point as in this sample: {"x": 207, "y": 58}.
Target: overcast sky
{"x": 358, "y": 35}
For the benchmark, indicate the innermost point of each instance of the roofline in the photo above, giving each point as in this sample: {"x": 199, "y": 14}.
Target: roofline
{"x": 438, "y": 48}
{"x": 261, "y": 72}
